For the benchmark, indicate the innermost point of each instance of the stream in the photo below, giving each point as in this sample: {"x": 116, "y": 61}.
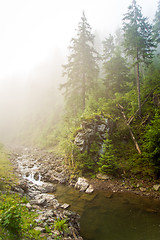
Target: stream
{"x": 104, "y": 215}
{"x": 113, "y": 216}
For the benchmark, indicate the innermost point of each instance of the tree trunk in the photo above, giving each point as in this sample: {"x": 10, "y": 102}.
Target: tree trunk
{"x": 84, "y": 92}
{"x": 131, "y": 133}
{"x": 146, "y": 99}
{"x": 138, "y": 84}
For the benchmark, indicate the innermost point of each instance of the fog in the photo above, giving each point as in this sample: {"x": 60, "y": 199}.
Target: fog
{"x": 35, "y": 35}
{"x": 30, "y": 100}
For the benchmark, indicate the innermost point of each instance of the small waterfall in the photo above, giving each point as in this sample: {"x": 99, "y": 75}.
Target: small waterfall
{"x": 29, "y": 173}
{"x": 33, "y": 180}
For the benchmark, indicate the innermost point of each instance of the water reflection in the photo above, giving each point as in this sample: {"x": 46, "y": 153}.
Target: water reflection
{"x": 118, "y": 216}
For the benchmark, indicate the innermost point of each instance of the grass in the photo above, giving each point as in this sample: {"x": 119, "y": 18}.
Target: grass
{"x": 6, "y": 169}
{"x": 16, "y": 221}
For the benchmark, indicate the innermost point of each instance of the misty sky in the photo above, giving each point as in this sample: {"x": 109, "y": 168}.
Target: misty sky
{"x": 32, "y": 30}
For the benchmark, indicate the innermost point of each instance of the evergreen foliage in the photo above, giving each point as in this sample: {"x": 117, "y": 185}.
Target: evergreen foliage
{"x": 107, "y": 162}
{"x": 126, "y": 54}
{"x": 82, "y": 68}
{"x": 108, "y": 48}
{"x": 134, "y": 47}
{"x": 117, "y": 75}
{"x": 152, "y": 144}
{"x": 156, "y": 26}
{"x": 138, "y": 40}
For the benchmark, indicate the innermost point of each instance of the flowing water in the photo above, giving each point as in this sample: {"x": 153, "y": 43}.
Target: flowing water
{"x": 118, "y": 216}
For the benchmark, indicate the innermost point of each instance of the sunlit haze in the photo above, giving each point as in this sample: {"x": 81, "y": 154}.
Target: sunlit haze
{"x": 34, "y": 40}
{"x": 31, "y": 30}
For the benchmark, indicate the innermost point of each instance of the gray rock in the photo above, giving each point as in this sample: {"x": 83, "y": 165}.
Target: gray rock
{"x": 80, "y": 141}
{"x": 41, "y": 218}
{"x": 102, "y": 176}
{"x": 39, "y": 229}
{"x": 82, "y": 184}
{"x": 90, "y": 189}
{"x": 101, "y": 128}
{"x": 28, "y": 205}
{"x": 56, "y": 232}
{"x": 156, "y": 187}
{"x": 142, "y": 189}
{"x": 65, "y": 206}
{"x": 46, "y": 199}
{"x": 48, "y": 213}
{"x": 69, "y": 238}
{"x": 47, "y": 188}
{"x": 41, "y": 202}
{"x": 91, "y": 130}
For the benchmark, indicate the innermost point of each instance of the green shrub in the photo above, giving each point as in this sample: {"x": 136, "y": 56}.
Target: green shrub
{"x": 107, "y": 162}
{"x": 151, "y": 146}
{"x": 61, "y": 225}
{"x": 83, "y": 160}
{"x": 16, "y": 221}
{"x": 11, "y": 216}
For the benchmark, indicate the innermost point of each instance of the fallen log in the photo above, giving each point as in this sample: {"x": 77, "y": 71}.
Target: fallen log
{"x": 131, "y": 133}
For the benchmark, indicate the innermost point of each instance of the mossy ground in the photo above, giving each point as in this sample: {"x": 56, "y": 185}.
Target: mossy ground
{"x": 7, "y": 176}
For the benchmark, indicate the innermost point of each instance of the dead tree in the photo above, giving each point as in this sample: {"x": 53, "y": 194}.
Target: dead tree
{"x": 131, "y": 133}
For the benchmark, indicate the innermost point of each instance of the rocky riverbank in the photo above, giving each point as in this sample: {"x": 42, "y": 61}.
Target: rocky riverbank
{"x": 146, "y": 188}
{"x": 38, "y": 173}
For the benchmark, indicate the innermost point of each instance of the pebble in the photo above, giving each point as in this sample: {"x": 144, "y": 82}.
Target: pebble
{"x": 65, "y": 206}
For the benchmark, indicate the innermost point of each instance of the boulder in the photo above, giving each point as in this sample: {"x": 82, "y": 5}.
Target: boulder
{"x": 101, "y": 128}
{"x": 102, "y": 176}
{"x": 82, "y": 184}
{"x": 45, "y": 200}
{"x": 47, "y": 188}
{"x": 80, "y": 141}
{"x": 92, "y": 130}
{"x": 90, "y": 189}
{"x": 156, "y": 187}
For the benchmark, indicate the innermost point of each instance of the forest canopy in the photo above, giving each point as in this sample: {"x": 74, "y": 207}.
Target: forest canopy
{"x": 122, "y": 84}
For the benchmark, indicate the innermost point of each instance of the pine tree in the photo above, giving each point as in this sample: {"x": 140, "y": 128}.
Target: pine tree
{"x": 156, "y": 27}
{"x": 82, "y": 68}
{"x": 138, "y": 41}
{"x": 115, "y": 68}
{"x": 108, "y": 48}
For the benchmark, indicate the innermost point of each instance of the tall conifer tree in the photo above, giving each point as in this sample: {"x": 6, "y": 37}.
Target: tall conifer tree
{"x": 115, "y": 67}
{"x": 156, "y": 27}
{"x": 82, "y": 68}
{"x": 138, "y": 41}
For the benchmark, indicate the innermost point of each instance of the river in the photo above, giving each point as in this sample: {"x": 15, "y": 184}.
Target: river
{"x": 104, "y": 215}
{"x": 113, "y": 216}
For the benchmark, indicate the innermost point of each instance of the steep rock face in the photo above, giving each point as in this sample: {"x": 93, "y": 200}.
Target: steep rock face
{"x": 92, "y": 132}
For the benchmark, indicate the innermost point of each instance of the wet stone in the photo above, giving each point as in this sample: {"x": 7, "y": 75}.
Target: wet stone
{"x": 39, "y": 229}
{"x": 142, "y": 189}
{"x": 65, "y": 206}
{"x": 156, "y": 187}
{"x": 90, "y": 189}
{"x": 32, "y": 168}
{"x": 102, "y": 176}
{"x": 82, "y": 184}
